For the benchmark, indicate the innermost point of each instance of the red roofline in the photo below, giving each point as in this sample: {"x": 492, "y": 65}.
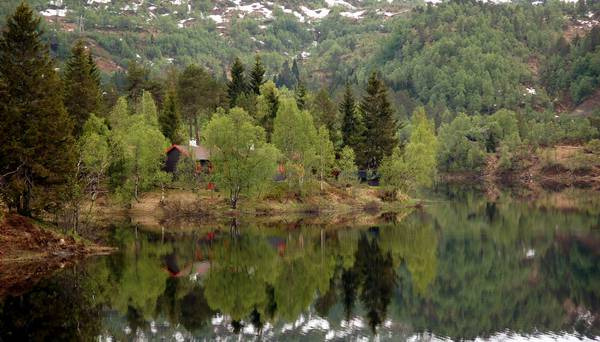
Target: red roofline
{"x": 179, "y": 148}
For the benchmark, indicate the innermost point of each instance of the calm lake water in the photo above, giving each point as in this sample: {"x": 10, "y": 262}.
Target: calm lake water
{"x": 462, "y": 268}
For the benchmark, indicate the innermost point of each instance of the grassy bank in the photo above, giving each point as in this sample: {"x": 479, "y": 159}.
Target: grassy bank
{"x": 332, "y": 204}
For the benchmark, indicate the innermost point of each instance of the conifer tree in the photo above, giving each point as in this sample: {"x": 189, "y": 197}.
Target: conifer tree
{"x": 380, "y": 134}
{"x": 300, "y": 95}
{"x": 296, "y": 71}
{"x": 94, "y": 70}
{"x": 285, "y": 77}
{"x": 269, "y": 105}
{"x": 198, "y": 94}
{"x": 137, "y": 77}
{"x": 237, "y": 85}
{"x": 82, "y": 90}
{"x": 170, "y": 119}
{"x": 353, "y": 128}
{"x": 37, "y": 149}
{"x": 257, "y": 75}
{"x": 326, "y": 113}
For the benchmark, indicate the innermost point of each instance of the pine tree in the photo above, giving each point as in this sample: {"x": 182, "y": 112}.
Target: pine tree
{"x": 82, "y": 91}
{"x": 296, "y": 71}
{"x": 137, "y": 77}
{"x": 37, "y": 149}
{"x": 170, "y": 119}
{"x": 353, "y": 128}
{"x": 325, "y": 112}
{"x": 285, "y": 77}
{"x": 257, "y": 76}
{"x": 271, "y": 99}
{"x": 380, "y": 134}
{"x": 198, "y": 94}
{"x": 237, "y": 86}
{"x": 300, "y": 95}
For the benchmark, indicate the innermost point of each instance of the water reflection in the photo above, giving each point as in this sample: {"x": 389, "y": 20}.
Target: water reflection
{"x": 461, "y": 269}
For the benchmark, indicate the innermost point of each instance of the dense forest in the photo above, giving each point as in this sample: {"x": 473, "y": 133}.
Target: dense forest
{"x": 454, "y": 87}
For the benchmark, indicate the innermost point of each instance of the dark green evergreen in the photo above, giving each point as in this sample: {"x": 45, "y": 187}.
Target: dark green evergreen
{"x": 257, "y": 75}
{"x": 137, "y": 77}
{"x": 169, "y": 118}
{"x": 273, "y": 107}
{"x": 37, "y": 154}
{"x": 353, "y": 127}
{"x": 300, "y": 95}
{"x": 82, "y": 90}
{"x": 238, "y": 84}
{"x": 381, "y": 127}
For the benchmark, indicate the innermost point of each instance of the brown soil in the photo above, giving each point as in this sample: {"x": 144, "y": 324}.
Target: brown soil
{"x": 535, "y": 176}
{"x": 589, "y": 106}
{"x": 29, "y": 252}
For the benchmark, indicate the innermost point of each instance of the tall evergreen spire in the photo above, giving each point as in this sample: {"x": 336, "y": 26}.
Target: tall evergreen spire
{"x": 82, "y": 93}
{"x": 237, "y": 86}
{"x": 353, "y": 127}
{"x": 36, "y": 143}
{"x": 381, "y": 127}
{"x": 257, "y": 75}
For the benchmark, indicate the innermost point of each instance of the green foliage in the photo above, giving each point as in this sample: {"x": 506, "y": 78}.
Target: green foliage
{"x": 294, "y": 134}
{"x": 353, "y": 128}
{"x": 82, "y": 86}
{"x": 238, "y": 84}
{"x": 198, "y": 95}
{"x": 242, "y": 159}
{"x": 466, "y": 56}
{"x": 139, "y": 151}
{"x": 377, "y": 113}
{"x": 421, "y": 151}
{"x": 95, "y": 147}
{"x": 461, "y": 145}
{"x": 170, "y": 120}
{"x": 346, "y": 165}
{"x": 257, "y": 75}
{"x": 593, "y": 146}
{"x": 325, "y": 155}
{"x": 325, "y": 113}
{"x": 37, "y": 153}
{"x": 574, "y": 70}
{"x": 267, "y": 105}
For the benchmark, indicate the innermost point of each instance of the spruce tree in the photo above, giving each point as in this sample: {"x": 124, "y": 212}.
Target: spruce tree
{"x": 170, "y": 119}
{"x": 37, "y": 153}
{"x": 300, "y": 95}
{"x": 82, "y": 92}
{"x": 353, "y": 128}
{"x": 137, "y": 77}
{"x": 237, "y": 85}
{"x": 296, "y": 71}
{"x": 272, "y": 101}
{"x": 257, "y": 76}
{"x": 380, "y": 134}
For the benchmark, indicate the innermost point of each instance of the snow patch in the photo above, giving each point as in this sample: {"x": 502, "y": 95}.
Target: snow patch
{"x": 54, "y": 12}
{"x": 319, "y": 13}
{"x": 353, "y": 15}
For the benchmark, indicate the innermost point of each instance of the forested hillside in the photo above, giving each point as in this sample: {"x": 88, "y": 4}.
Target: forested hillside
{"x": 459, "y": 56}
{"x": 318, "y": 93}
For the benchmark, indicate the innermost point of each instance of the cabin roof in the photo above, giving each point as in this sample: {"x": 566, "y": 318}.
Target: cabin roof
{"x": 198, "y": 152}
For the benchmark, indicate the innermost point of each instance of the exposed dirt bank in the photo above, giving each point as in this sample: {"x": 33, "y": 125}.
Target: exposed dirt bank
{"x": 29, "y": 252}
{"x": 551, "y": 169}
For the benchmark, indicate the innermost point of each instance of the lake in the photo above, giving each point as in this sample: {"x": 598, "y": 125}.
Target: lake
{"x": 463, "y": 267}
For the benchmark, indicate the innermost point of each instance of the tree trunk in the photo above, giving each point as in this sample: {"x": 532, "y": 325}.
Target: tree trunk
{"x": 196, "y": 130}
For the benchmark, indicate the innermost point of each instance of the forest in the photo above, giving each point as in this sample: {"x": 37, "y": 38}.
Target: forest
{"x": 299, "y": 170}
{"x": 95, "y": 137}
